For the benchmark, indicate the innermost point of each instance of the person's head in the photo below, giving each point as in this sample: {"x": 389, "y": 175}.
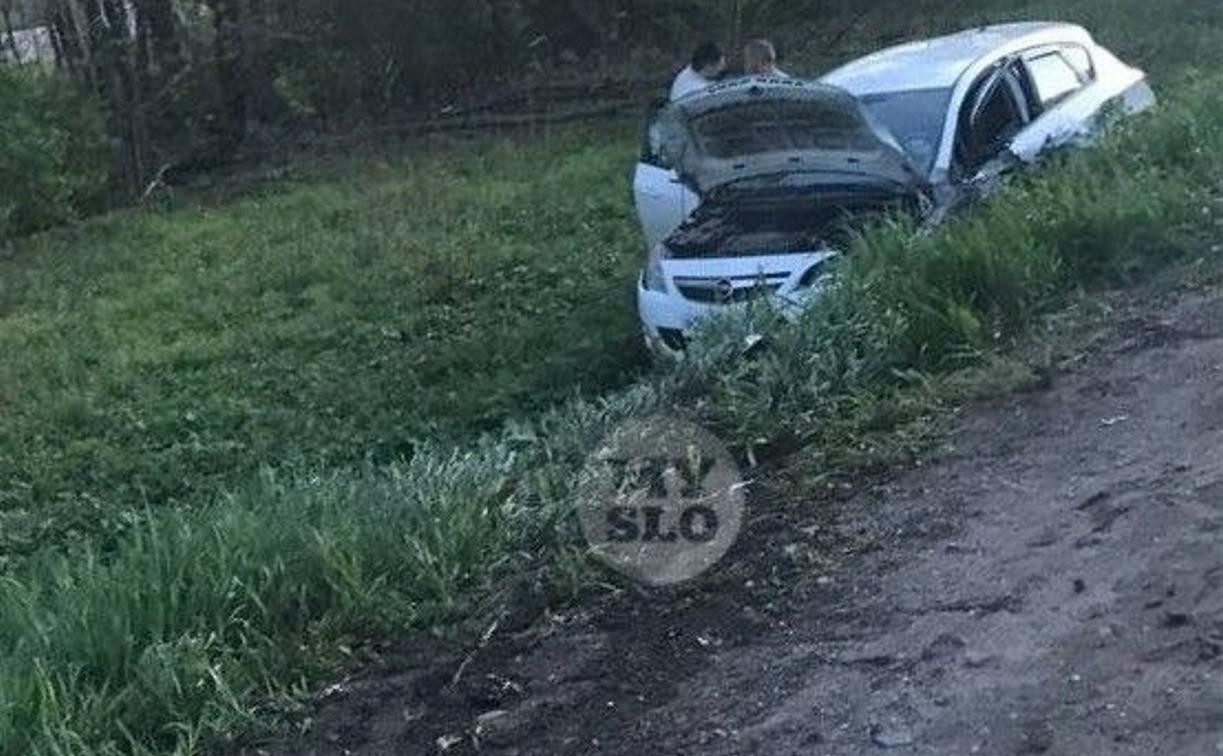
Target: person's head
{"x": 709, "y": 60}
{"x": 759, "y": 57}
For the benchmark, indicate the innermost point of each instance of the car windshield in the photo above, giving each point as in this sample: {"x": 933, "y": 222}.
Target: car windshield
{"x": 915, "y": 118}
{"x": 755, "y": 128}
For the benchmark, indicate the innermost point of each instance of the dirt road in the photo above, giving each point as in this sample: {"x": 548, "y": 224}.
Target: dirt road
{"x": 1053, "y": 583}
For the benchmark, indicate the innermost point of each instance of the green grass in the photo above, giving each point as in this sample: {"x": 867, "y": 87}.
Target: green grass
{"x": 150, "y": 358}
{"x": 205, "y": 614}
{"x": 161, "y": 357}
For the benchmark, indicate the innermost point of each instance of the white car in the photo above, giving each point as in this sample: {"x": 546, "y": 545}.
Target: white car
{"x": 747, "y": 188}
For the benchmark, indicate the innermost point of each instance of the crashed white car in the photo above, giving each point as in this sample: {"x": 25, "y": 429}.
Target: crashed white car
{"x": 749, "y": 188}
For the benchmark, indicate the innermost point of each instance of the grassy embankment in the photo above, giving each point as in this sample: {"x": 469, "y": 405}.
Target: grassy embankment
{"x": 171, "y": 639}
{"x": 149, "y": 359}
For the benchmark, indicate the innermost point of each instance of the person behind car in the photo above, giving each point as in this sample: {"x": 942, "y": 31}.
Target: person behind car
{"x": 707, "y": 66}
{"x": 760, "y": 59}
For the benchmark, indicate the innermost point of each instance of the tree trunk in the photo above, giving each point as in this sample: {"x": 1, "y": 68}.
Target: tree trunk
{"x": 97, "y": 47}
{"x": 262, "y": 99}
{"x": 229, "y": 56}
{"x": 11, "y": 33}
{"x": 160, "y": 35}
{"x": 68, "y": 41}
{"x": 108, "y": 36}
{"x": 736, "y": 25}
{"x": 57, "y": 46}
{"x": 126, "y": 96}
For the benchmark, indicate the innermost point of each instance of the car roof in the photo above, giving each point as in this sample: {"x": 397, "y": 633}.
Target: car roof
{"x": 940, "y": 62}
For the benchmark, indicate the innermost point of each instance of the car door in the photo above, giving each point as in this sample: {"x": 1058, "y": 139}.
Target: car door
{"x": 1064, "y": 95}
{"x": 662, "y": 199}
{"x": 994, "y": 113}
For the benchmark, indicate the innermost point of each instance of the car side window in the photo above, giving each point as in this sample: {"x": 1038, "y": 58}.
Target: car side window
{"x": 994, "y": 113}
{"x": 1054, "y": 77}
{"x": 1080, "y": 59}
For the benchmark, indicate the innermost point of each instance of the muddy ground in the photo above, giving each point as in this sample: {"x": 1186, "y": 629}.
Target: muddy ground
{"x": 1051, "y": 582}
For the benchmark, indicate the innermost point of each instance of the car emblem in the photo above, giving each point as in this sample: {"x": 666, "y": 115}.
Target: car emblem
{"x": 726, "y": 291}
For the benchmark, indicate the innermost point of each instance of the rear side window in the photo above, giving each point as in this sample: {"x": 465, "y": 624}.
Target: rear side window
{"x": 1080, "y": 60}
{"x": 1054, "y": 78}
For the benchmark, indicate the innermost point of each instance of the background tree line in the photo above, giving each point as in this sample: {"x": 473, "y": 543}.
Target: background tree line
{"x": 181, "y": 85}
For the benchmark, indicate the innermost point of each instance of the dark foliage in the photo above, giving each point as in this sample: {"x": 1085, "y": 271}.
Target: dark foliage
{"x": 187, "y": 83}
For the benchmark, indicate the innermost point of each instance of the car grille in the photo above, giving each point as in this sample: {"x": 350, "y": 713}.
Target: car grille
{"x": 729, "y": 291}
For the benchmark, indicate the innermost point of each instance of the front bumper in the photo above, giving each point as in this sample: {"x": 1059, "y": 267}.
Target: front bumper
{"x": 668, "y": 317}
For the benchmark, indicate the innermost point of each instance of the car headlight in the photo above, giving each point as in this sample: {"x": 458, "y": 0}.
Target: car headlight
{"x": 820, "y": 273}
{"x": 654, "y": 279}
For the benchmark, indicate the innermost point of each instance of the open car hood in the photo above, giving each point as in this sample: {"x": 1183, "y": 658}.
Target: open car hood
{"x": 771, "y": 127}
